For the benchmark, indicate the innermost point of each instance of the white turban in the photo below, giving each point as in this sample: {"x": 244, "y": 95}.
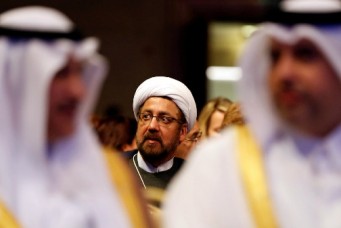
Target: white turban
{"x": 161, "y": 86}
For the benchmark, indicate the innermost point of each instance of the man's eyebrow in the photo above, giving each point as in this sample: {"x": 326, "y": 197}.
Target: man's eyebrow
{"x": 161, "y": 113}
{"x": 164, "y": 113}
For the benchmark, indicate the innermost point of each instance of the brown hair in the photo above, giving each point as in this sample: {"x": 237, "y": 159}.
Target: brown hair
{"x": 115, "y": 131}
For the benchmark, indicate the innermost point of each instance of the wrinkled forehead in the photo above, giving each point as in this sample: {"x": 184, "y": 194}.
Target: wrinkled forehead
{"x": 168, "y": 102}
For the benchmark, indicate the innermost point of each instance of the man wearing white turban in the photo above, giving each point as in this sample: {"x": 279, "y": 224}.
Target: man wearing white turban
{"x": 284, "y": 169}
{"x": 52, "y": 169}
{"x": 165, "y": 111}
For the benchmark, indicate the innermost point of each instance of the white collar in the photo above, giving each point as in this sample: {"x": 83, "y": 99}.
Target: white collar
{"x": 332, "y": 146}
{"x": 323, "y": 153}
{"x": 150, "y": 169}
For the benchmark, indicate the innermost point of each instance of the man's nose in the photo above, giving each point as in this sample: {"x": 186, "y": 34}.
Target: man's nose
{"x": 285, "y": 70}
{"x": 154, "y": 123}
{"x": 77, "y": 86}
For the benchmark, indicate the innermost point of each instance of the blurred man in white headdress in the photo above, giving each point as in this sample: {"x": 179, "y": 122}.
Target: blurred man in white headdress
{"x": 52, "y": 169}
{"x": 284, "y": 168}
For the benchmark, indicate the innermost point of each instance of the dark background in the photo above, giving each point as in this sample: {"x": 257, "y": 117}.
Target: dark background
{"x": 144, "y": 38}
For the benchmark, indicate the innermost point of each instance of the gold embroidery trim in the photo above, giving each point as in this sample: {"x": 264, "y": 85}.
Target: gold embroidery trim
{"x": 128, "y": 189}
{"x": 254, "y": 179}
{"x": 6, "y": 218}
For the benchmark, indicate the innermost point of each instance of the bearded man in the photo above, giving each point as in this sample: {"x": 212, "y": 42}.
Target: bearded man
{"x": 165, "y": 111}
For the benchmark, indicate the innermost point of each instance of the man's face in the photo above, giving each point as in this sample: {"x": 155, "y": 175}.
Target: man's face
{"x": 67, "y": 90}
{"x": 157, "y": 141}
{"x": 304, "y": 87}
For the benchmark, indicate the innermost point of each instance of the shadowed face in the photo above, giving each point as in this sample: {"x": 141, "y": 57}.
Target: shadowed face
{"x": 305, "y": 88}
{"x": 67, "y": 90}
{"x": 215, "y": 122}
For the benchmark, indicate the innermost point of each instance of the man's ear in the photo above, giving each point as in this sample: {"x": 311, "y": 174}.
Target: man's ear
{"x": 183, "y": 132}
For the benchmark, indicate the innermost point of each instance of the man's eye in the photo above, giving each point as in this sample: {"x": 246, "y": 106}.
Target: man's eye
{"x": 165, "y": 119}
{"x": 274, "y": 55}
{"x": 306, "y": 53}
{"x": 62, "y": 73}
{"x": 146, "y": 116}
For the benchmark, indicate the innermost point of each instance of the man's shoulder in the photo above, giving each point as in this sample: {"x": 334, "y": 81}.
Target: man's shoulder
{"x": 129, "y": 154}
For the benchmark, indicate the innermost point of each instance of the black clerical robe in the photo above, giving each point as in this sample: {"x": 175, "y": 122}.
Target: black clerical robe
{"x": 159, "y": 179}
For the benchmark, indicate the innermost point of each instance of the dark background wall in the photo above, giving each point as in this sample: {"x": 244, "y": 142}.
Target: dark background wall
{"x": 144, "y": 38}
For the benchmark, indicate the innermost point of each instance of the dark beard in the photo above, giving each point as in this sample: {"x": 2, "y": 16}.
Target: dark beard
{"x": 152, "y": 156}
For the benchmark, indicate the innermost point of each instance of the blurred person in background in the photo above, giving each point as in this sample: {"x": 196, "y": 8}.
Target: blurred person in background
{"x": 131, "y": 145}
{"x": 233, "y": 116}
{"x": 211, "y": 116}
{"x": 186, "y": 146}
{"x": 116, "y": 132}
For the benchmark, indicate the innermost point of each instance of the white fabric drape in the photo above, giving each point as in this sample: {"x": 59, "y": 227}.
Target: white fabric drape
{"x": 304, "y": 174}
{"x": 61, "y": 185}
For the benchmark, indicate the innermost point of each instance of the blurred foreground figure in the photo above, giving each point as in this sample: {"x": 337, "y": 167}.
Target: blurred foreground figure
{"x": 284, "y": 168}
{"x": 53, "y": 172}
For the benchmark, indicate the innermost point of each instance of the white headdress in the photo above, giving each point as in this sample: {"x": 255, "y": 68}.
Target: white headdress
{"x": 255, "y": 62}
{"x": 71, "y": 188}
{"x": 161, "y": 86}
